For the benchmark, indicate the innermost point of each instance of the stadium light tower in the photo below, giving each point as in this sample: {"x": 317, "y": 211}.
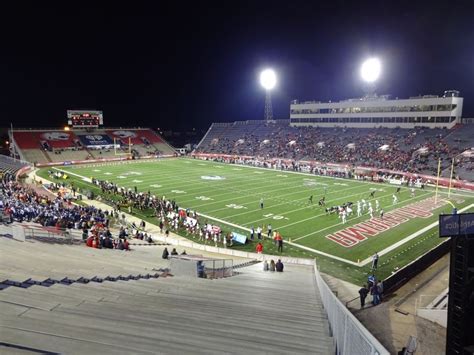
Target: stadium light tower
{"x": 370, "y": 72}
{"x": 268, "y": 81}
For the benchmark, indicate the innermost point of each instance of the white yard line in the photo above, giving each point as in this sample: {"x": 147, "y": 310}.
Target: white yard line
{"x": 71, "y": 173}
{"x": 323, "y": 253}
{"x": 225, "y": 222}
{"x": 283, "y": 203}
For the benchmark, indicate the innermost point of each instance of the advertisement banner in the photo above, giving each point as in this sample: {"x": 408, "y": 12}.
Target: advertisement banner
{"x": 456, "y": 225}
{"x": 96, "y": 140}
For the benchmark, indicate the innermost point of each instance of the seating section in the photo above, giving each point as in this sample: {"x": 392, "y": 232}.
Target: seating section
{"x": 36, "y": 139}
{"x": 68, "y": 155}
{"x": 10, "y": 165}
{"x": 136, "y": 136}
{"x": 145, "y": 141}
{"x": 58, "y": 146}
{"x": 360, "y": 147}
{"x": 36, "y": 156}
{"x": 253, "y": 312}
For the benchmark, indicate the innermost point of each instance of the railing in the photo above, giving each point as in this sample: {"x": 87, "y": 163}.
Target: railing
{"x": 218, "y": 268}
{"x": 203, "y": 138}
{"x": 62, "y": 236}
{"x": 350, "y": 336}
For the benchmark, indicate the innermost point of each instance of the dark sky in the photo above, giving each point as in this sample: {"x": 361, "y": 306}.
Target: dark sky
{"x": 176, "y": 65}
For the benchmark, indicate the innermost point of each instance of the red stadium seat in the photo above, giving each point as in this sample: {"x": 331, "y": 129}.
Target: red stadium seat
{"x": 55, "y": 139}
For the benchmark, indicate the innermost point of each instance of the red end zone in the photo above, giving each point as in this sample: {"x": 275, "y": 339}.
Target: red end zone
{"x": 355, "y": 234}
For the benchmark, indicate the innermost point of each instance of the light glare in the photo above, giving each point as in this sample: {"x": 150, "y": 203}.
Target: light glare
{"x": 370, "y": 70}
{"x": 268, "y": 79}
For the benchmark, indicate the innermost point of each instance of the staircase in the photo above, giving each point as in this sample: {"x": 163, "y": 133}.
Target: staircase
{"x": 252, "y": 312}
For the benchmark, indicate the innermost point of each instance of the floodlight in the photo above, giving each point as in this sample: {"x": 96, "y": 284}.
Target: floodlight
{"x": 268, "y": 79}
{"x": 370, "y": 70}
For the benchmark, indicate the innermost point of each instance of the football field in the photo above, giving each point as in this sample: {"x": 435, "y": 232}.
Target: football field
{"x": 231, "y": 195}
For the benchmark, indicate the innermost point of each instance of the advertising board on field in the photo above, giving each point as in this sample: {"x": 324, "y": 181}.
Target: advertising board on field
{"x": 456, "y": 225}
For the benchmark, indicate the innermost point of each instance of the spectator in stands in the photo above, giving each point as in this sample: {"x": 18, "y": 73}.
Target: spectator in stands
{"x": 272, "y": 265}
{"x": 265, "y": 265}
{"x": 174, "y": 252}
{"x": 380, "y": 289}
{"x": 279, "y": 266}
{"x": 201, "y": 269}
{"x": 375, "y": 292}
{"x": 165, "y": 253}
{"x": 401, "y": 150}
{"x": 363, "y": 292}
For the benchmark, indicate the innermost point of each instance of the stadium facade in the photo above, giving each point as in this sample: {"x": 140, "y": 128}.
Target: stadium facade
{"x": 380, "y": 111}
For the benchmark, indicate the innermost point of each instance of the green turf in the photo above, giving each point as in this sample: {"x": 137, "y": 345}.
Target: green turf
{"x": 232, "y": 201}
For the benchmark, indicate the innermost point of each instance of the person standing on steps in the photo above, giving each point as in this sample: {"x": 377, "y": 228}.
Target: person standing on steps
{"x": 363, "y": 292}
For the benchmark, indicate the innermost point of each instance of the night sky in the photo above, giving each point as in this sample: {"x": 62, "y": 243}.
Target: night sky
{"x": 180, "y": 66}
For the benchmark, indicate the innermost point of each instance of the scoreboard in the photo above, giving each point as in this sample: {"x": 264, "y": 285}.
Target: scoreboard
{"x": 85, "y": 118}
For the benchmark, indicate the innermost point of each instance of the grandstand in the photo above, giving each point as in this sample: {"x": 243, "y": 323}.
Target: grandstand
{"x": 58, "y": 146}
{"x": 10, "y": 165}
{"x": 46, "y": 306}
{"x": 414, "y": 150}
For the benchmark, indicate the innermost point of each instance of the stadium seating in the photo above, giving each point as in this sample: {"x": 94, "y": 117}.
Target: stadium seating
{"x": 136, "y": 136}
{"x": 406, "y": 150}
{"x": 33, "y": 139}
{"x": 11, "y": 166}
{"x": 265, "y": 312}
{"x": 53, "y": 146}
{"x": 145, "y": 141}
{"x": 68, "y": 155}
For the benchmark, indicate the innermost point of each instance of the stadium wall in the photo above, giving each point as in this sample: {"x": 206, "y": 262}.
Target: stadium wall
{"x": 409, "y": 271}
